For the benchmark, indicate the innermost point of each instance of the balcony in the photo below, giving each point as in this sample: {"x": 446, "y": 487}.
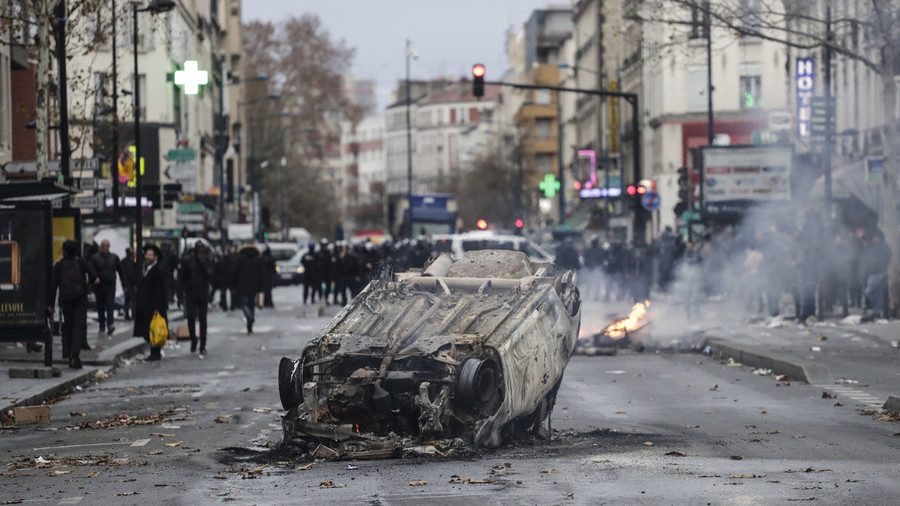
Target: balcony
{"x": 351, "y": 169}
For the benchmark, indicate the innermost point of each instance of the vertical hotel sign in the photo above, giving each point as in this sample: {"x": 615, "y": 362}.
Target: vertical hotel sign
{"x": 805, "y": 81}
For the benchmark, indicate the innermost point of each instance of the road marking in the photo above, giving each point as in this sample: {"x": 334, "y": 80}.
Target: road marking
{"x": 859, "y": 397}
{"x": 81, "y": 445}
{"x": 140, "y": 442}
{"x": 70, "y": 500}
{"x": 198, "y": 394}
{"x": 264, "y": 328}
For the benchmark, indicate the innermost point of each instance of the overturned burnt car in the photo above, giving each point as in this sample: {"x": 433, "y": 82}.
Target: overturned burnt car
{"x": 473, "y": 349}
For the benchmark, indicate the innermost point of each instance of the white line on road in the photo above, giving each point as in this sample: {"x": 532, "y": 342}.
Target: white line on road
{"x": 70, "y": 500}
{"x": 81, "y": 445}
{"x": 198, "y": 394}
{"x": 140, "y": 442}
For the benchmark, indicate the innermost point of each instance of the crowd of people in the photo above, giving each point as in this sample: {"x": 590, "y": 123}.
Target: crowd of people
{"x": 756, "y": 266}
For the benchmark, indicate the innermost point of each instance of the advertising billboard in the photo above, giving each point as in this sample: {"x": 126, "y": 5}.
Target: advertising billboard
{"x": 25, "y": 261}
{"x": 735, "y": 177}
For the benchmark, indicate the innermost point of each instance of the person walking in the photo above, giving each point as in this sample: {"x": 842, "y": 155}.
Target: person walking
{"x": 107, "y": 266}
{"x": 151, "y": 297}
{"x": 876, "y": 258}
{"x": 194, "y": 280}
{"x": 129, "y": 282}
{"x": 248, "y": 281}
{"x": 71, "y": 276}
{"x": 312, "y": 275}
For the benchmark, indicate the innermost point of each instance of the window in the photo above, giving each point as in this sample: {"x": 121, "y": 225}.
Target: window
{"x": 752, "y": 11}
{"x": 751, "y": 92}
{"x": 542, "y": 97}
{"x": 545, "y": 164}
{"x": 452, "y": 116}
{"x": 696, "y": 88}
{"x": 544, "y": 127}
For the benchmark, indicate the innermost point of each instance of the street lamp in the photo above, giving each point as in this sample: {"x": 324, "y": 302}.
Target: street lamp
{"x": 410, "y": 53}
{"x": 155, "y": 7}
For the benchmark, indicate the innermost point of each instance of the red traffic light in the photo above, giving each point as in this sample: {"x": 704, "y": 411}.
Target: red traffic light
{"x": 577, "y": 185}
{"x": 481, "y": 224}
{"x": 631, "y": 190}
{"x": 478, "y": 70}
{"x": 520, "y": 223}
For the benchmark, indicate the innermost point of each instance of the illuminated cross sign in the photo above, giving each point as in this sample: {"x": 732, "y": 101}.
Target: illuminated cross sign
{"x": 549, "y": 186}
{"x": 191, "y": 78}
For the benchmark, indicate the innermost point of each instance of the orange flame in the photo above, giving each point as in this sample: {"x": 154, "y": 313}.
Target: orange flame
{"x": 357, "y": 427}
{"x": 620, "y": 328}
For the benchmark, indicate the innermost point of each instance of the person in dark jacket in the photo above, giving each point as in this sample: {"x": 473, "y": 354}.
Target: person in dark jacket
{"x": 194, "y": 280}
{"x": 873, "y": 265}
{"x": 129, "y": 282}
{"x": 107, "y": 266}
{"x": 71, "y": 276}
{"x": 312, "y": 275}
{"x": 151, "y": 297}
{"x": 268, "y": 277}
{"x": 248, "y": 281}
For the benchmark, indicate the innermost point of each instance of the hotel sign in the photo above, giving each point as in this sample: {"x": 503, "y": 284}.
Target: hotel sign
{"x": 805, "y": 81}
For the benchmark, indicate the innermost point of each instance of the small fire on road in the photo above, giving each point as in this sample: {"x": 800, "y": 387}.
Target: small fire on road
{"x": 621, "y": 327}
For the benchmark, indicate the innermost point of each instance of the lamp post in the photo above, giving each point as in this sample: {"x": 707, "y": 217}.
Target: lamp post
{"x": 409, "y": 54}
{"x": 114, "y": 170}
{"x": 155, "y": 7}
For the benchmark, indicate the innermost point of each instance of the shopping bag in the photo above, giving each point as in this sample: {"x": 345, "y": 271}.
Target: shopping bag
{"x": 159, "y": 332}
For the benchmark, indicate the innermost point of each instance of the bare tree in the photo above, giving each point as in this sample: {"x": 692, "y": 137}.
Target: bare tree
{"x": 306, "y": 68}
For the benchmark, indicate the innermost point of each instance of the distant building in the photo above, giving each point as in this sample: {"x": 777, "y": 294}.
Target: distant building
{"x": 363, "y": 198}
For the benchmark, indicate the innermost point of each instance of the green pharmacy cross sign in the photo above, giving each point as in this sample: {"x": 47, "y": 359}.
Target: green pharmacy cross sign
{"x": 549, "y": 186}
{"x": 191, "y": 78}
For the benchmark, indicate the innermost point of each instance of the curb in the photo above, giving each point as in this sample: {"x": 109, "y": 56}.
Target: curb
{"x": 794, "y": 368}
{"x": 892, "y": 405}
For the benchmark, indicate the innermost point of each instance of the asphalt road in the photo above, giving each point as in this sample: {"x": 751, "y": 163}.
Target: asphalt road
{"x": 662, "y": 427}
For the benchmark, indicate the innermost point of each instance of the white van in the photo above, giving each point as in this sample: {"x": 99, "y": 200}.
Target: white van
{"x": 458, "y": 244}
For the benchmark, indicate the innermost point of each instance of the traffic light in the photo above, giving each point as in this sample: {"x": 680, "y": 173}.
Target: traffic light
{"x": 684, "y": 191}
{"x": 520, "y": 224}
{"x": 478, "y": 80}
{"x": 481, "y": 224}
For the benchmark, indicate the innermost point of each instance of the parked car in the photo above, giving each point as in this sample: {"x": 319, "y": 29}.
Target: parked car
{"x": 290, "y": 271}
{"x": 457, "y": 244}
{"x": 280, "y": 250}
{"x": 472, "y": 348}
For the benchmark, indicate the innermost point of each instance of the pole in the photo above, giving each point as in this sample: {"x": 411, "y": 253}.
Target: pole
{"x": 114, "y": 170}
{"x": 61, "y": 18}
{"x": 709, "y": 87}
{"x": 559, "y": 149}
{"x": 829, "y": 121}
{"x": 281, "y": 176}
{"x": 220, "y": 153}
{"x": 138, "y": 209}
{"x": 408, "y": 152}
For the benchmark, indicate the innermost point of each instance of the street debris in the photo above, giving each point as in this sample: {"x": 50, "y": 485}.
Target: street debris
{"x": 674, "y": 453}
{"x": 501, "y": 468}
{"x": 124, "y": 420}
{"x": 262, "y": 410}
{"x": 882, "y": 415}
{"x": 428, "y": 356}
{"x": 469, "y": 481}
{"x": 162, "y": 434}
{"x": 732, "y": 363}
{"x": 351, "y": 466}
{"x": 827, "y": 395}
{"x": 747, "y": 476}
{"x": 173, "y": 445}
{"x": 548, "y": 471}
{"x": 647, "y": 443}
{"x": 737, "y": 457}
{"x": 307, "y": 467}
{"x": 762, "y": 372}
{"x": 127, "y": 493}
{"x": 418, "y": 483}
{"x": 331, "y": 484}
{"x": 808, "y": 470}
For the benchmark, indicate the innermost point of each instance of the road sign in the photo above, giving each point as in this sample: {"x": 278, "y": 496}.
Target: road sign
{"x": 87, "y": 184}
{"x": 86, "y": 202}
{"x": 182, "y": 171}
{"x": 650, "y": 201}
{"x": 181, "y": 155}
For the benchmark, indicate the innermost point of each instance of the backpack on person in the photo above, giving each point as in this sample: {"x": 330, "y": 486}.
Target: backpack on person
{"x": 71, "y": 279}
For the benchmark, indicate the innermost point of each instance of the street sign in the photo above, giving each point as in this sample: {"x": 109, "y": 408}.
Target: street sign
{"x": 87, "y": 184}
{"x": 85, "y": 164}
{"x": 650, "y": 201}
{"x": 690, "y": 216}
{"x": 875, "y": 170}
{"x": 92, "y": 202}
{"x": 823, "y": 109}
{"x": 181, "y": 155}
{"x": 182, "y": 171}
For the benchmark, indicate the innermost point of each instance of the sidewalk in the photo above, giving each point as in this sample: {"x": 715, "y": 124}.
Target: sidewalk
{"x": 101, "y": 359}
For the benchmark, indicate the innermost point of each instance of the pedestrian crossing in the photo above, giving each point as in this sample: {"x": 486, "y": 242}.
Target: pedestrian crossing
{"x": 858, "y": 396}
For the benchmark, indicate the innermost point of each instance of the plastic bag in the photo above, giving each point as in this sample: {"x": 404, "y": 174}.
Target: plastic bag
{"x": 159, "y": 332}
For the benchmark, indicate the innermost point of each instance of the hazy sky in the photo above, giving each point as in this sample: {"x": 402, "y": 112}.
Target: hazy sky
{"x": 449, "y": 36}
